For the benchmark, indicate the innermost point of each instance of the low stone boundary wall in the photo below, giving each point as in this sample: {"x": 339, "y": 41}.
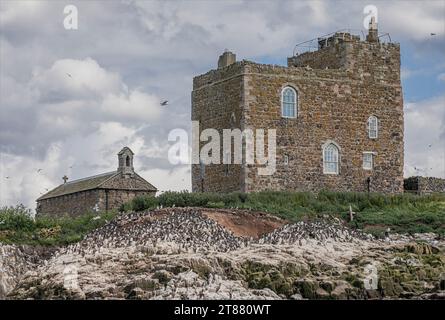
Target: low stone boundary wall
{"x": 424, "y": 185}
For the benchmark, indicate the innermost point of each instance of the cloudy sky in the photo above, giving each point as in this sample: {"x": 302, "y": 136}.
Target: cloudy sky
{"x": 71, "y": 99}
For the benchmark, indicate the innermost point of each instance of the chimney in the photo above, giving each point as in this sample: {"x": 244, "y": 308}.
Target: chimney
{"x": 226, "y": 59}
{"x": 65, "y": 179}
{"x": 373, "y": 35}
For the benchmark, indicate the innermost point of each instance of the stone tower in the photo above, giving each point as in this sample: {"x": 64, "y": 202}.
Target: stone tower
{"x": 125, "y": 159}
{"x": 337, "y": 111}
{"x": 373, "y": 34}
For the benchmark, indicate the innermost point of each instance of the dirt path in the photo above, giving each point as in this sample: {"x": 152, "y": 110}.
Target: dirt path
{"x": 244, "y": 223}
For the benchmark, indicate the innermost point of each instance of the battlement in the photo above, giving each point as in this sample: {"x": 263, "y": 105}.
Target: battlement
{"x": 343, "y": 50}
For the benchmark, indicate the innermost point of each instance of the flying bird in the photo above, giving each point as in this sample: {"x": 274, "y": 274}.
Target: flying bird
{"x": 6, "y": 177}
{"x": 164, "y": 103}
{"x": 38, "y": 170}
{"x": 433, "y": 34}
{"x": 429, "y": 145}
{"x": 69, "y": 75}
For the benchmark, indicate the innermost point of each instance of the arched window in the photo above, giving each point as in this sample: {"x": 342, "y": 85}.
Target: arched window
{"x": 373, "y": 127}
{"x": 127, "y": 161}
{"x": 330, "y": 158}
{"x": 289, "y": 103}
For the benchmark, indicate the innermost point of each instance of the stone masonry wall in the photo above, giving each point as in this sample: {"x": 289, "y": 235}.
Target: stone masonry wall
{"x": 215, "y": 97}
{"x": 335, "y": 109}
{"x": 74, "y": 204}
{"x": 424, "y": 185}
{"x": 126, "y": 182}
{"x": 334, "y": 105}
{"x": 117, "y": 197}
{"x": 88, "y": 201}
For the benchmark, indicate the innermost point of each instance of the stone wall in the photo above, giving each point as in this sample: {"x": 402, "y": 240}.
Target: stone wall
{"x": 74, "y": 204}
{"x": 330, "y": 56}
{"x": 358, "y": 79}
{"x": 216, "y": 96}
{"x": 424, "y": 185}
{"x": 127, "y": 182}
{"x": 88, "y": 201}
{"x": 116, "y": 198}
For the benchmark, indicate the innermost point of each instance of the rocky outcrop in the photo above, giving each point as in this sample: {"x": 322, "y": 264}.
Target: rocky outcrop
{"x": 181, "y": 253}
{"x": 15, "y": 261}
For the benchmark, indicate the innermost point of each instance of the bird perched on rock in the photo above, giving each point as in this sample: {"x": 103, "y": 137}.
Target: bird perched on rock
{"x": 387, "y": 232}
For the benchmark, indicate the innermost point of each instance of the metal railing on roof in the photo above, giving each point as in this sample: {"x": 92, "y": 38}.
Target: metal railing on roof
{"x": 385, "y": 35}
{"x": 314, "y": 44}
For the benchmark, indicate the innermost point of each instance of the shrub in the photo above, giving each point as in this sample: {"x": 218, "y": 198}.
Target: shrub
{"x": 16, "y": 218}
{"x": 18, "y": 226}
{"x": 144, "y": 202}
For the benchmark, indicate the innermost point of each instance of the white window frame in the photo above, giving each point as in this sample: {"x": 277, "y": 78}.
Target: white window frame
{"x": 295, "y": 102}
{"x": 286, "y": 159}
{"x": 372, "y": 119}
{"x": 324, "y": 148}
{"x": 372, "y": 160}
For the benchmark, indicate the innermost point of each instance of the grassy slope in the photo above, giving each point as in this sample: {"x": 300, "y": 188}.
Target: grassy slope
{"x": 405, "y": 213}
{"x": 374, "y": 213}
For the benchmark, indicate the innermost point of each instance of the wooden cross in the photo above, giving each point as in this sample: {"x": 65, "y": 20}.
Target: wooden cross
{"x": 351, "y": 214}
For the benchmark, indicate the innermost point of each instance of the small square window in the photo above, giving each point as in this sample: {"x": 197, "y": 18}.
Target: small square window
{"x": 368, "y": 160}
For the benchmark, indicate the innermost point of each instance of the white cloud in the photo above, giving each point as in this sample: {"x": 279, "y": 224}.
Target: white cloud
{"x": 424, "y": 138}
{"x": 177, "y": 179}
{"x": 69, "y": 79}
{"x": 414, "y": 19}
{"x": 136, "y": 106}
{"x": 24, "y": 184}
{"x": 13, "y": 11}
